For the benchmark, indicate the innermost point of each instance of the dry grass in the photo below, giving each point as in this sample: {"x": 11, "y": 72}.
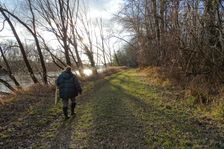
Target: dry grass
{"x": 204, "y": 97}
{"x": 35, "y": 90}
{"x": 198, "y": 87}
{"x": 157, "y": 76}
{"x": 38, "y": 89}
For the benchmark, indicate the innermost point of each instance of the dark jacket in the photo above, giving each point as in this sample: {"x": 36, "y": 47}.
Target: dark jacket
{"x": 68, "y": 85}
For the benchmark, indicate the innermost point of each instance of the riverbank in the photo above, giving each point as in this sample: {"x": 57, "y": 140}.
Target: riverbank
{"x": 34, "y": 88}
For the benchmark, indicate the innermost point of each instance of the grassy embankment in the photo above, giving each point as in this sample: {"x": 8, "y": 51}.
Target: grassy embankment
{"x": 202, "y": 98}
{"x": 125, "y": 110}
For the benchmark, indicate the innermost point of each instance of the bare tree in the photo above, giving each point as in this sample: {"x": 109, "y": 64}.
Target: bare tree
{"x": 187, "y": 35}
{"x": 7, "y": 85}
{"x": 8, "y": 71}
{"x": 35, "y": 35}
{"x": 33, "y": 32}
{"x": 86, "y": 33}
{"x": 56, "y": 15}
{"x": 102, "y": 41}
{"x": 73, "y": 37}
{"x": 22, "y": 49}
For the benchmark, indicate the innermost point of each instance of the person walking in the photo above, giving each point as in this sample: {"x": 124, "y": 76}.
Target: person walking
{"x": 69, "y": 87}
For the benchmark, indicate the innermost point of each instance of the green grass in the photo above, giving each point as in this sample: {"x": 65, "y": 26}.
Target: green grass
{"x": 126, "y": 112}
{"x": 122, "y": 111}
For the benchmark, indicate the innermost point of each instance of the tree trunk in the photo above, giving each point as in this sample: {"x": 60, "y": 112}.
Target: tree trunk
{"x": 9, "y": 69}
{"x": 64, "y": 24}
{"x": 7, "y": 85}
{"x": 73, "y": 42}
{"x": 162, "y": 24}
{"x": 92, "y": 62}
{"x": 156, "y": 20}
{"x": 21, "y": 47}
{"x": 34, "y": 33}
{"x": 162, "y": 30}
{"x": 116, "y": 58}
{"x": 176, "y": 14}
{"x": 210, "y": 21}
{"x": 102, "y": 42}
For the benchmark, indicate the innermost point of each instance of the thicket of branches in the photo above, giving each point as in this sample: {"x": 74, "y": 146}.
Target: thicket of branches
{"x": 68, "y": 21}
{"x": 183, "y": 34}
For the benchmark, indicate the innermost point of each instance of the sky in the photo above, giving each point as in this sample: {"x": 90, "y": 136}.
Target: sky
{"x": 98, "y": 9}
{"x": 105, "y": 8}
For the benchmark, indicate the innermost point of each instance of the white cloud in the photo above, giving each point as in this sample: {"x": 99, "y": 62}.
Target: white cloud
{"x": 104, "y": 8}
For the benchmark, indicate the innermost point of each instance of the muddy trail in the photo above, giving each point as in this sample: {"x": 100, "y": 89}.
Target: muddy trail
{"x": 120, "y": 111}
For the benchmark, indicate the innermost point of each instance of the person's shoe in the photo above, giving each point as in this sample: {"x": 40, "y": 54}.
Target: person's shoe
{"x": 73, "y": 109}
{"x": 73, "y": 114}
{"x": 66, "y": 118}
{"x": 65, "y": 110}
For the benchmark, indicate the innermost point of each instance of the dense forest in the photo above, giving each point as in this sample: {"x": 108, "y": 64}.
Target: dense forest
{"x": 184, "y": 34}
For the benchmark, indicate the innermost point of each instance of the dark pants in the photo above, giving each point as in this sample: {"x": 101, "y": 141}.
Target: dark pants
{"x": 65, "y": 102}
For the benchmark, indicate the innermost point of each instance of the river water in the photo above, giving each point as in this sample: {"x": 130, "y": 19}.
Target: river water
{"x": 26, "y": 81}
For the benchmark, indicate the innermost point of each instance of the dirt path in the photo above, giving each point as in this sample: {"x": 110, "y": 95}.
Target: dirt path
{"x": 123, "y": 111}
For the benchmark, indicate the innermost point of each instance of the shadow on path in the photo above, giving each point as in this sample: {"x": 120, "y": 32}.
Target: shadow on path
{"x": 170, "y": 127}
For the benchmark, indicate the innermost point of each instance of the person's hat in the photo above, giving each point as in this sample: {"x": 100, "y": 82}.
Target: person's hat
{"x": 68, "y": 69}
